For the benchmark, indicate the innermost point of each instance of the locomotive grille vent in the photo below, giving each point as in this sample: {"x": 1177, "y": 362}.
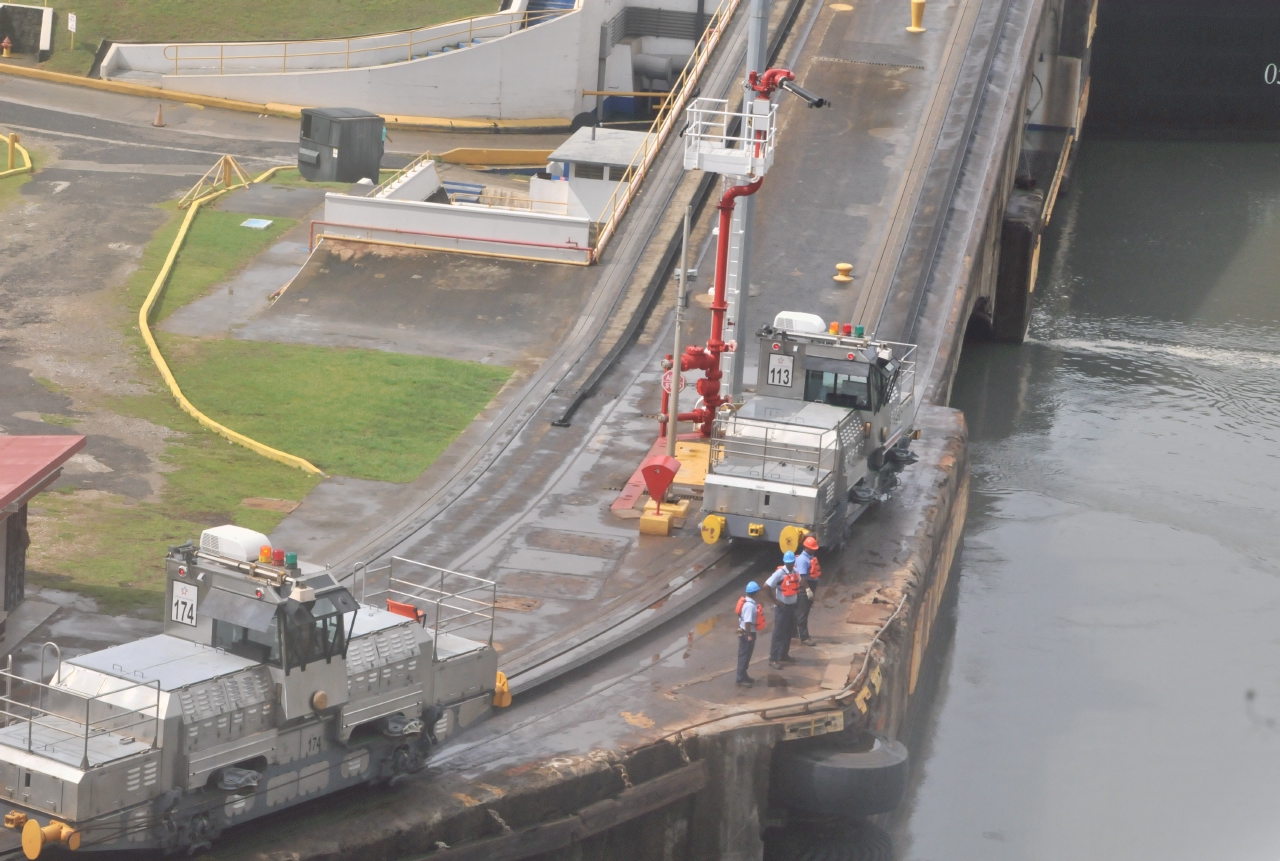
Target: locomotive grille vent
{"x": 210, "y": 543}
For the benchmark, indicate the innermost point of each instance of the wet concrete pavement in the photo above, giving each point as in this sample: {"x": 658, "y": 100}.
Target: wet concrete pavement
{"x": 1112, "y": 689}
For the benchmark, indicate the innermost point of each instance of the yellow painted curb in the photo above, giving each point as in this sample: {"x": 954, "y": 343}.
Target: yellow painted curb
{"x": 144, "y": 315}
{"x": 494, "y": 156}
{"x": 407, "y": 123}
{"x": 17, "y": 170}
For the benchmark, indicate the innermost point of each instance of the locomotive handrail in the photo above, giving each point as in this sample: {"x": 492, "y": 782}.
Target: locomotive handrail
{"x": 34, "y": 714}
{"x": 451, "y": 609}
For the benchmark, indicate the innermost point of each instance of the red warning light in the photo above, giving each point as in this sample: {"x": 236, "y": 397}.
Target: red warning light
{"x": 257, "y": 593}
{"x": 182, "y": 570}
{"x": 777, "y": 346}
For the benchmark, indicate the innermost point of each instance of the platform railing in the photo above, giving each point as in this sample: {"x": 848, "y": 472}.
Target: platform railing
{"x": 76, "y": 716}
{"x": 801, "y": 452}
{"x": 450, "y": 601}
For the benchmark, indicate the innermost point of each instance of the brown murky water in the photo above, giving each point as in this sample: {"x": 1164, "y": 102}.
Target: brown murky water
{"x": 1113, "y": 690}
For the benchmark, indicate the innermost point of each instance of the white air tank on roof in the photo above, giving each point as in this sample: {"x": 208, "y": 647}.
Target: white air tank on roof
{"x": 233, "y": 542}
{"x": 799, "y": 321}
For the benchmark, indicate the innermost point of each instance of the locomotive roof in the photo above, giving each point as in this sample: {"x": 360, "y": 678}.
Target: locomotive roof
{"x": 173, "y": 661}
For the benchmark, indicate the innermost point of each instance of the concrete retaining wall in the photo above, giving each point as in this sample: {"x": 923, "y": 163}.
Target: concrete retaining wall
{"x": 514, "y": 72}
{"x": 509, "y": 233}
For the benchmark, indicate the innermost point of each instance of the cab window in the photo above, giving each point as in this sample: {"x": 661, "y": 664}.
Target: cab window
{"x": 838, "y": 390}
{"x": 312, "y": 633}
{"x": 262, "y": 646}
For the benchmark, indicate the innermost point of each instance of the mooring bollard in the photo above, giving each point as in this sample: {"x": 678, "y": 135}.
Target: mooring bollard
{"x": 842, "y": 275}
{"x": 917, "y": 17}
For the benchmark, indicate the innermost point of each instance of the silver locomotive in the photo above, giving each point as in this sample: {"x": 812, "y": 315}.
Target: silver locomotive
{"x": 823, "y": 437}
{"x": 271, "y": 685}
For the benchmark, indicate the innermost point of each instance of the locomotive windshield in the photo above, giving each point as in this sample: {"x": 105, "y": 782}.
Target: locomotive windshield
{"x": 240, "y": 640}
{"x": 838, "y": 390}
{"x": 312, "y": 632}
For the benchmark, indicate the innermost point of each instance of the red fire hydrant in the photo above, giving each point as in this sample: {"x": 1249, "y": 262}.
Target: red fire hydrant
{"x": 7, "y": 47}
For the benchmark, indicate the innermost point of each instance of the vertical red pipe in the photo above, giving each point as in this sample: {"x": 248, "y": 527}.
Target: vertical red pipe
{"x": 708, "y": 358}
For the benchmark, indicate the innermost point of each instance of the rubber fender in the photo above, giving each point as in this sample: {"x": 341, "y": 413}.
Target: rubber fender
{"x": 841, "y": 776}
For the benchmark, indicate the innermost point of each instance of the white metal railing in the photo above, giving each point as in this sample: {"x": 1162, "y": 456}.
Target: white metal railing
{"x": 668, "y": 114}
{"x": 450, "y": 600}
{"x": 73, "y": 717}
{"x": 709, "y": 144}
{"x": 794, "y": 454}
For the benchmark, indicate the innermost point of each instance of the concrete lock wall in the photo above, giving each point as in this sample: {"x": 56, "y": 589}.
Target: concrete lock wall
{"x": 29, "y": 28}
{"x": 481, "y": 229}
{"x": 513, "y": 73}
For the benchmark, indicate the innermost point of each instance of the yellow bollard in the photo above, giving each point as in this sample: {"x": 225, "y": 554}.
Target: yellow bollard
{"x": 502, "y": 692}
{"x": 917, "y": 17}
{"x": 842, "y": 275}
{"x": 13, "y": 149}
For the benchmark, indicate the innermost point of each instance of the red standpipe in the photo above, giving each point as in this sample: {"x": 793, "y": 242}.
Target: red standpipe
{"x": 707, "y": 359}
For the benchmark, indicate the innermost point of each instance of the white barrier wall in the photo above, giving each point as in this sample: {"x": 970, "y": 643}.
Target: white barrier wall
{"x": 528, "y": 74}
{"x": 538, "y": 235}
{"x": 512, "y": 73}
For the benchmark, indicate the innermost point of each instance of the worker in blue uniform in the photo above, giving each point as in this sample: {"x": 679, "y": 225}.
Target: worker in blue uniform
{"x": 809, "y": 570}
{"x": 784, "y": 586}
{"x": 750, "y": 620}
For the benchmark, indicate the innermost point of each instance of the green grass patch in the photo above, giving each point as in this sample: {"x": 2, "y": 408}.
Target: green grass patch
{"x": 233, "y": 20}
{"x": 293, "y": 179}
{"x": 215, "y": 248}
{"x": 60, "y": 420}
{"x": 362, "y": 413}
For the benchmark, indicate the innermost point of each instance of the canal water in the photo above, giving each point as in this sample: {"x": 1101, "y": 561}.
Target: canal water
{"x": 1113, "y": 688}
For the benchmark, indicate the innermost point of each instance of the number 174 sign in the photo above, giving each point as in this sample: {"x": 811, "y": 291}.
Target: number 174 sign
{"x": 183, "y": 607}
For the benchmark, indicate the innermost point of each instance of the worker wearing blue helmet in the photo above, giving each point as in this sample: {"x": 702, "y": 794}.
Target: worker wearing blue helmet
{"x": 784, "y": 585}
{"x": 750, "y": 621}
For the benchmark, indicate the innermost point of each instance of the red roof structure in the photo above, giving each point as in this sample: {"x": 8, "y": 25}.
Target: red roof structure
{"x": 29, "y": 463}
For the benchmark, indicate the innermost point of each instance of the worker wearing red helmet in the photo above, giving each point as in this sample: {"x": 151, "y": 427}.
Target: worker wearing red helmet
{"x": 809, "y": 570}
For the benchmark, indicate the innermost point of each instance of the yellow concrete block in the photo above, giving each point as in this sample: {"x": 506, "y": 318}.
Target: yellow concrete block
{"x": 655, "y": 524}
{"x": 679, "y": 508}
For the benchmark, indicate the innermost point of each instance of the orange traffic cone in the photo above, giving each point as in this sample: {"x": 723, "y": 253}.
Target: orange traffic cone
{"x": 159, "y": 120}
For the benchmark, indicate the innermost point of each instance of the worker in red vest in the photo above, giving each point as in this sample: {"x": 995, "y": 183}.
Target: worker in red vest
{"x": 750, "y": 621}
{"x": 809, "y": 570}
{"x": 785, "y": 588}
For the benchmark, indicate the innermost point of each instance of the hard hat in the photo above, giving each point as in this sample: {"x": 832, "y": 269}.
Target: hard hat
{"x": 788, "y": 558}
{"x": 753, "y": 587}
{"x": 810, "y": 543}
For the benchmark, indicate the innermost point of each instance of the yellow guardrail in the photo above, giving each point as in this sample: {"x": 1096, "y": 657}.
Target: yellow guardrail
{"x": 668, "y": 115}
{"x": 144, "y": 325}
{"x": 16, "y": 148}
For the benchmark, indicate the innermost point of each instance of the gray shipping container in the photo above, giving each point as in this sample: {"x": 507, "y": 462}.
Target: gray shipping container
{"x": 340, "y": 145}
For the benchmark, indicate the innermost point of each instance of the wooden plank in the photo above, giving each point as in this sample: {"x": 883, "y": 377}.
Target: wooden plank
{"x": 645, "y": 798}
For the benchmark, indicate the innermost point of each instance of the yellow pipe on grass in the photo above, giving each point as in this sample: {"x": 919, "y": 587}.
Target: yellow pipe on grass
{"x": 144, "y": 316}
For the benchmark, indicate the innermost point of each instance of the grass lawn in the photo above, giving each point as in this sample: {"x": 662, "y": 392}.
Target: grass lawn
{"x": 215, "y": 248}
{"x": 361, "y": 413}
{"x": 232, "y": 20}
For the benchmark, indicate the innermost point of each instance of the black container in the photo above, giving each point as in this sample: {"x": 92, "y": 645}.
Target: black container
{"x": 340, "y": 145}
